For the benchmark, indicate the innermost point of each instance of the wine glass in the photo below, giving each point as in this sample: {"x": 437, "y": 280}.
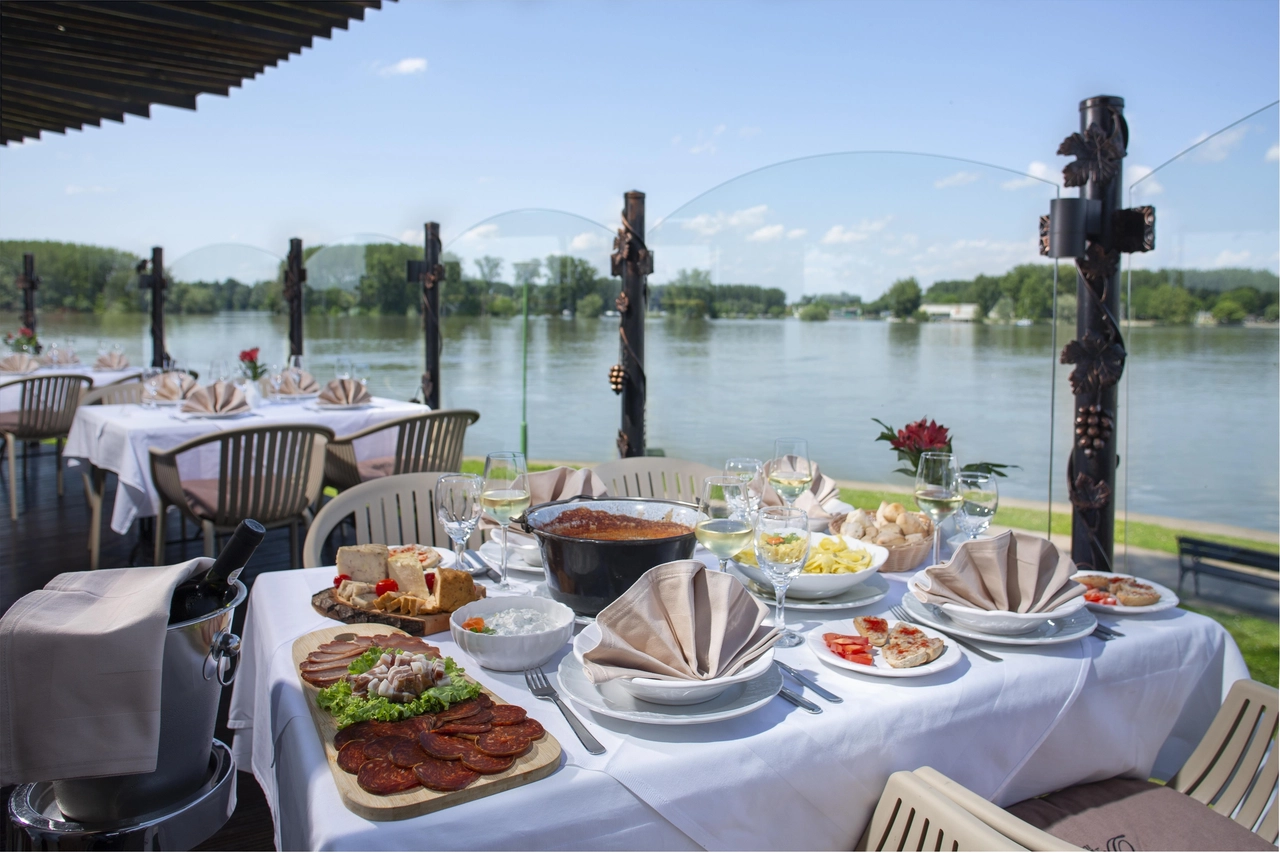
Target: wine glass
{"x": 103, "y": 347}
{"x": 151, "y": 385}
{"x": 789, "y": 471}
{"x": 458, "y": 507}
{"x": 782, "y": 546}
{"x": 505, "y": 495}
{"x": 724, "y": 520}
{"x": 981, "y": 499}
{"x": 219, "y": 370}
{"x": 342, "y": 368}
{"x": 938, "y": 490}
{"x": 71, "y": 349}
{"x": 360, "y": 373}
{"x": 275, "y": 375}
{"x": 746, "y": 469}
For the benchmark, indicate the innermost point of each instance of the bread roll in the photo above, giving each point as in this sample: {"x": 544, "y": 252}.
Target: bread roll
{"x": 915, "y": 538}
{"x": 888, "y": 512}
{"x": 892, "y": 530}
{"x": 861, "y": 516}
{"x": 889, "y": 540}
{"x": 911, "y": 522}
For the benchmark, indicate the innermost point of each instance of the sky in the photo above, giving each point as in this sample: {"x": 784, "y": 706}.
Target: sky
{"x": 458, "y": 110}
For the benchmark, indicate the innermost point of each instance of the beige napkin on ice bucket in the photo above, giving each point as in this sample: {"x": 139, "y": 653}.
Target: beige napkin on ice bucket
{"x": 344, "y": 392}
{"x": 219, "y": 398}
{"x": 821, "y": 490}
{"x": 19, "y": 362}
{"x": 1014, "y": 571}
{"x": 554, "y": 485}
{"x": 81, "y": 663}
{"x": 680, "y": 621}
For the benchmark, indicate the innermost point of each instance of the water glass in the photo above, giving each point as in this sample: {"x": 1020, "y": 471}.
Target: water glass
{"x": 938, "y": 490}
{"x": 275, "y": 375}
{"x": 748, "y": 470}
{"x": 782, "y": 546}
{"x": 458, "y": 507}
{"x": 103, "y": 347}
{"x": 151, "y": 386}
{"x": 360, "y": 373}
{"x": 219, "y": 370}
{"x": 504, "y": 496}
{"x": 790, "y": 472}
{"x": 981, "y": 500}
{"x": 724, "y": 522}
{"x": 342, "y": 368}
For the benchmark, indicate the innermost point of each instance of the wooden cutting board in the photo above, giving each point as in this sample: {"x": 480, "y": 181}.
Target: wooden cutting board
{"x": 326, "y": 603}
{"x": 540, "y": 761}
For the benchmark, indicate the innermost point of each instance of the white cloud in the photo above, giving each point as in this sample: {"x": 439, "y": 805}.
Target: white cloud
{"x": 1228, "y": 258}
{"x": 675, "y": 140}
{"x": 76, "y": 189}
{"x": 1273, "y": 153}
{"x": 796, "y": 233}
{"x": 481, "y": 232}
{"x": 766, "y": 234}
{"x": 748, "y": 132}
{"x": 959, "y": 179}
{"x": 855, "y": 233}
{"x": 1149, "y": 186}
{"x": 707, "y": 224}
{"x": 586, "y": 240}
{"x": 1035, "y": 170}
{"x": 409, "y": 65}
{"x": 705, "y": 145}
{"x": 1216, "y": 148}
{"x": 411, "y": 236}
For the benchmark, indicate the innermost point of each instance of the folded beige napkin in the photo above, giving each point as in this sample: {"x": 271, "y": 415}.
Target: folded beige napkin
{"x": 557, "y": 484}
{"x": 58, "y": 357}
{"x": 19, "y": 362}
{"x": 821, "y": 490}
{"x": 344, "y": 392}
{"x": 1014, "y": 571}
{"x": 219, "y": 398}
{"x": 304, "y": 383}
{"x": 176, "y": 386}
{"x": 681, "y": 622}
{"x": 111, "y": 361}
{"x": 101, "y": 715}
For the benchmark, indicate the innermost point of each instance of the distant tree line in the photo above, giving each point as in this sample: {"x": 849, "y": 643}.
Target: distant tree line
{"x": 691, "y": 294}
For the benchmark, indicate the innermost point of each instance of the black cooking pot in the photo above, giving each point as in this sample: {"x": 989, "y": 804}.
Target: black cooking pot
{"x": 588, "y": 574}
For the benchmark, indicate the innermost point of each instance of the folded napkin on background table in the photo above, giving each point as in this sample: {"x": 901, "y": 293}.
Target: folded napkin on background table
{"x": 1019, "y": 572}
{"x": 176, "y": 386}
{"x": 821, "y": 490}
{"x": 302, "y": 383}
{"x": 680, "y": 621}
{"x": 111, "y": 361}
{"x": 344, "y": 392}
{"x": 19, "y": 362}
{"x": 55, "y": 358}
{"x": 218, "y": 398}
{"x": 81, "y": 663}
{"x": 557, "y": 484}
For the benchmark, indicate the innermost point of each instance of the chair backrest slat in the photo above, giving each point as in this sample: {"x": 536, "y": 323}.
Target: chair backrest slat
{"x": 47, "y": 404}
{"x": 393, "y": 510}
{"x": 655, "y": 477}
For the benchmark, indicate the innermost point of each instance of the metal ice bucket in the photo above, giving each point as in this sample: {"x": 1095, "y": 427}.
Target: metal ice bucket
{"x": 200, "y": 657}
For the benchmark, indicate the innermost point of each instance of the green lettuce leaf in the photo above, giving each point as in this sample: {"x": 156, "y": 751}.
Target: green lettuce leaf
{"x": 347, "y": 708}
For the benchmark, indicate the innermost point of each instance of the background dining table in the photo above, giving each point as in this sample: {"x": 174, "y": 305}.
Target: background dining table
{"x": 778, "y": 778}
{"x": 117, "y": 439}
{"x": 10, "y": 398}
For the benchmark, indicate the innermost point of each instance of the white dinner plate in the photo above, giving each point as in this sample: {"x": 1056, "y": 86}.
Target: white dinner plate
{"x": 492, "y": 553}
{"x": 1168, "y": 598}
{"x": 868, "y": 592}
{"x": 949, "y": 657}
{"x": 341, "y": 407}
{"x": 611, "y": 700}
{"x": 1077, "y": 625}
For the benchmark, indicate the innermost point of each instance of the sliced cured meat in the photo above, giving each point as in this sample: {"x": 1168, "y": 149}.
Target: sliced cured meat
{"x": 481, "y": 763}
{"x": 323, "y": 679}
{"x": 380, "y": 776}
{"x": 441, "y": 775}
{"x": 366, "y": 730}
{"x": 460, "y": 710}
{"x": 405, "y": 643}
{"x": 380, "y": 747}
{"x": 507, "y": 715}
{"x": 407, "y": 754}
{"x": 464, "y": 727}
{"x": 502, "y": 742}
{"x": 338, "y": 668}
{"x": 443, "y": 747}
{"x": 352, "y": 756}
{"x": 530, "y": 728}
{"x": 423, "y": 723}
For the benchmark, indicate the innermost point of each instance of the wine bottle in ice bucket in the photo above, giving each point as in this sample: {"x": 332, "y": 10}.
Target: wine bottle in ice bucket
{"x": 201, "y": 596}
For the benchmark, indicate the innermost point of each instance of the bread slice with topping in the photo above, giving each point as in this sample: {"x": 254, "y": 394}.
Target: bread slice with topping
{"x": 873, "y": 628}
{"x": 1131, "y": 593}
{"x": 908, "y": 646}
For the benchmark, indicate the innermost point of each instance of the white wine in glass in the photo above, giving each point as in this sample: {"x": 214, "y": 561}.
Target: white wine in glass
{"x": 789, "y": 471}
{"x": 938, "y": 490}
{"x": 724, "y": 523}
{"x": 504, "y": 496}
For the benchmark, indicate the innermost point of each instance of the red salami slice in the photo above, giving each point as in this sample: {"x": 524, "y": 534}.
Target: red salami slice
{"x": 507, "y": 715}
{"x": 407, "y": 753}
{"x": 380, "y": 747}
{"x": 461, "y": 710}
{"x": 481, "y": 763}
{"x": 500, "y": 742}
{"x": 351, "y": 756}
{"x": 530, "y": 728}
{"x": 366, "y": 730}
{"x": 463, "y": 728}
{"x": 441, "y": 775}
{"x": 443, "y": 747}
{"x": 380, "y": 776}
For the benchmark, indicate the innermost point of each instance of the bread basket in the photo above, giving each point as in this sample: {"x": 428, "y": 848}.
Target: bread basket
{"x": 902, "y": 558}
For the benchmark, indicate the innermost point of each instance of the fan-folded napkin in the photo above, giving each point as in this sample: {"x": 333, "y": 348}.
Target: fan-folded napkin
{"x": 19, "y": 362}
{"x": 821, "y": 490}
{"x": 298, "y": 382}
{"x": 344, "y": 392}
{"x": 111, "y": 361}
{"x": 175, "y": 386}
{"x": 81, "y": 663}
{"x": 56, "y": 357}
{"x": 555, "y": 485}
{"x": 219, "y": 398}
{"x": 1018, "y": 572}
{"x": 680, "y": 621}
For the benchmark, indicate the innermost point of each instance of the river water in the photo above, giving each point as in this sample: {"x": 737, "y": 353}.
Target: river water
{"x": 1202, "y": 414}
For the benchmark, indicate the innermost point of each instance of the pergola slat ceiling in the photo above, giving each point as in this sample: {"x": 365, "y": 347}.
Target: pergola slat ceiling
{"x": 68, "y": 63}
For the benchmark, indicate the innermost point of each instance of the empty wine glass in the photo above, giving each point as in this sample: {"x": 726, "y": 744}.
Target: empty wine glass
{"x": 782, "y": 546}
{"x": 789, "y": 471}
{"x": 70, "y": 349}
{"x": 342, "y": 368}
{"x": 360, "y": 373}
{"x": 724, "y": 521}
{"x": 938, "y": 490}
{"x": 458, "y": 507}
{"x": 103, "y": 347}
{"x": 275, "y": 375}
{"x": 151, "y": 385}
{"x": 219, "y": 370}
{"x": 505, "y": 495}
{"x": 981, "y": 499}
{"x": 748, "y": 470}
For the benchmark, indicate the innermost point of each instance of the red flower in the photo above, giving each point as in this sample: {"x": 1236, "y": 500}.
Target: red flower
{"x": 25, "y": 332}
{"x": 921, "y": 436}
{"x": 249, "y": 354}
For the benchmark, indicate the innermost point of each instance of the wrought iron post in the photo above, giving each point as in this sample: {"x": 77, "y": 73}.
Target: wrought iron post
{"x": 295, "y": 274}
{"x": 155, "y": 282}
{"x": 1095, "y": 230}
{"x": 28, "y": 282}
{"x": 634, "y": 263}
{"x": 430, "y": 274}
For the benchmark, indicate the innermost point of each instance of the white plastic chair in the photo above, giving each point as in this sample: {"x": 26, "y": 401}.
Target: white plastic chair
{"x": 1011, "y": 826}
{"x": 46, "y": 409}
{"x": 913, "y": 815}
{"x": 655, "y": 477}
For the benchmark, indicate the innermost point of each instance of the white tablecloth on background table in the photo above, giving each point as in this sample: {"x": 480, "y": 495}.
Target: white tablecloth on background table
{"x": 117, "y": 439}
{"x": 778, "y": 778}
{"x": 10, "y": 399}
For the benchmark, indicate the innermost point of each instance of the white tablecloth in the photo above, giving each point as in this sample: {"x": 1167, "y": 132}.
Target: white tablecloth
{"x": 10, "y": 399}
{"x": 117, "y": 439}
{"x": 779, "y": 778}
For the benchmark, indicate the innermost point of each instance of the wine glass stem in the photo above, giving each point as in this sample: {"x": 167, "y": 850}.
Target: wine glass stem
{"x": 724, "y": 564}
{"x": 503, "y": 584}
{"x": 937, "y": 536}
{"x": 780, "y": 606}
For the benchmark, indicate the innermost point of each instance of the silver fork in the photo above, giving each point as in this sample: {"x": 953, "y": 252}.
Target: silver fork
{"x": 542, "y": 689}
{"x": 902, "y": 616}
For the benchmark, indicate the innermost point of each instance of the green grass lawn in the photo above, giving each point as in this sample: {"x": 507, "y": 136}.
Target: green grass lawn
{"x": 1258, "y": 639}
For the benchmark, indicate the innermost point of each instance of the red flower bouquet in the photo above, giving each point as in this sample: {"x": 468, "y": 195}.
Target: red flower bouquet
{"x": 249, "y": 363}
{"x": 925, "y": 435}
{"x": 24, "y": 337}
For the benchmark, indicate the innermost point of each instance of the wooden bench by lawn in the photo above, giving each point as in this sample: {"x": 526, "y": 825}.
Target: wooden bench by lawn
{"x": 1200, "y": 556}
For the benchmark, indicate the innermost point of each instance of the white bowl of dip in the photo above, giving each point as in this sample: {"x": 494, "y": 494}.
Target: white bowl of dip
{"x": 529, "y": 631}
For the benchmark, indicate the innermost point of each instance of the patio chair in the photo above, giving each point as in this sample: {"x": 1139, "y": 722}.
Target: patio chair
{"x": 115, "y": 394}
{"x": 655, "y": 477}
{"x": 395, "y": 510}
{"x": 1013, "y": 828}
{"x": 269, "y": 473}
{"x": 46, "y": 409}
{"x": 427, "y": 442}
{"x": 95, "y": 478}
{"x": 913, "y": 815}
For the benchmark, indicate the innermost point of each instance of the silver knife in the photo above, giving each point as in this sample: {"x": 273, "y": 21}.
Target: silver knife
{"x": 809, "y": 682}
{"x": 799, "y": 701}
{"x": 480, "y": 563}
